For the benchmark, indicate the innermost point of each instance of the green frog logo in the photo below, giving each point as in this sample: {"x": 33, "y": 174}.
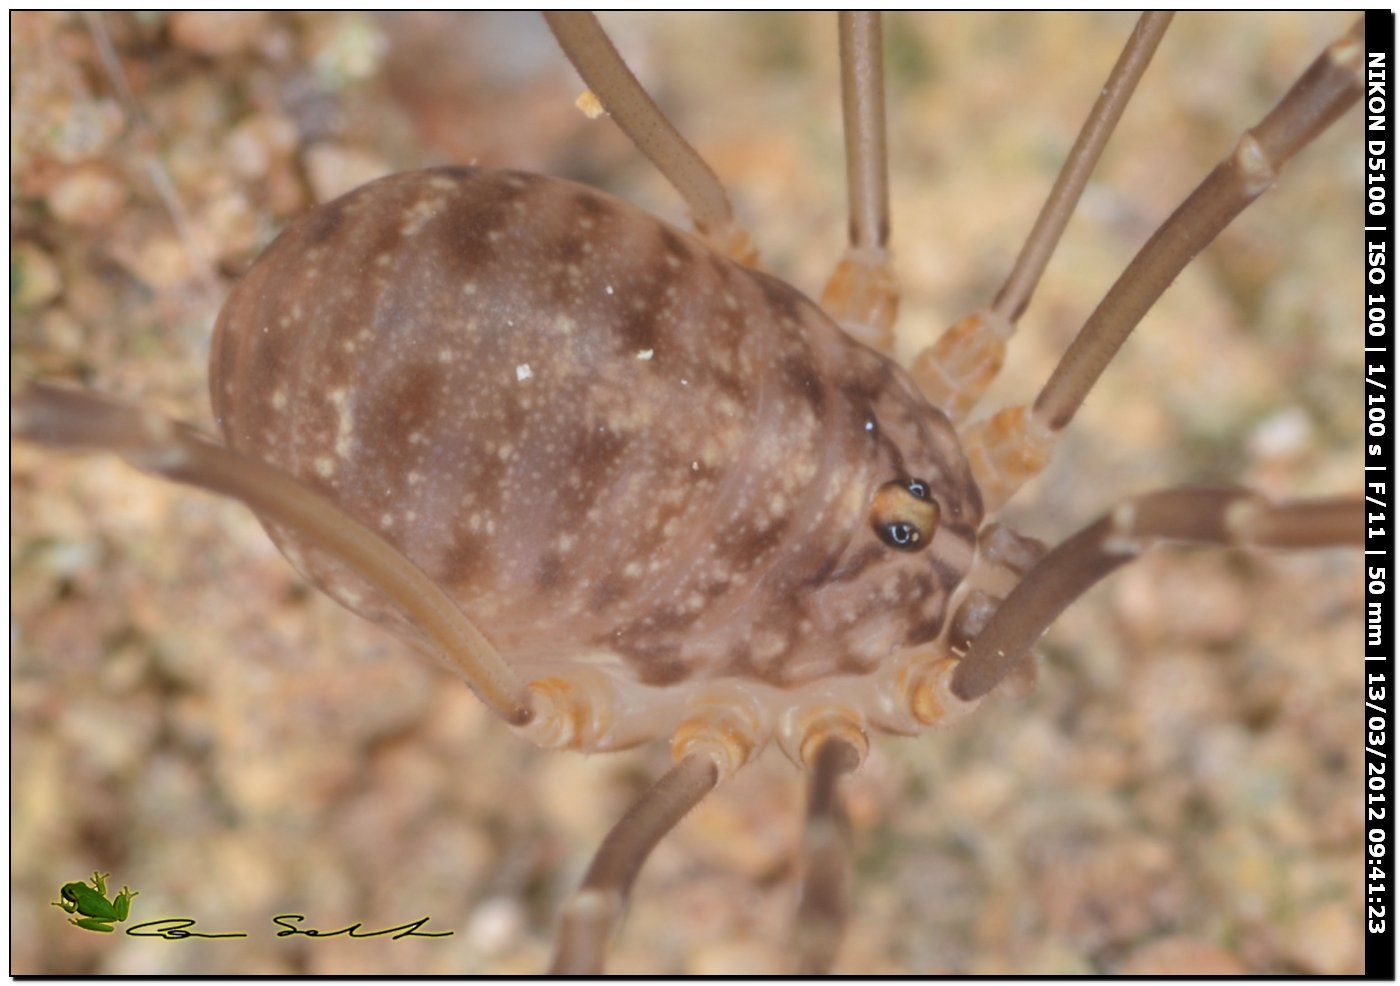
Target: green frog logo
{"x": 98, "y": 913}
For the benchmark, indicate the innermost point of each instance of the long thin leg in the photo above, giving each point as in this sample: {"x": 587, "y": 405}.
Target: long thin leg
{"x": 863, "y": 115}
{"x": 1014, "y": 445}
{"x": 1326, "y": 90}
{"x": 78, "y": 420}
{"x": 1226, "y": 517}
{"x": 598, "y": 905}
{"x": 956, "y": 370}
{"x": 863, "y": 292}
{"x": 1015, "y": 294}
{"x": 826, "y": 855}
{"x": 587, "y": 46}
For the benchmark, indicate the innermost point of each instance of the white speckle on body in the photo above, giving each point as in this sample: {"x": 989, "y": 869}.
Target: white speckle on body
{"x": 345, "y": 422}
{"x": 523, "y": 372}
{"x": 419, "y": 213}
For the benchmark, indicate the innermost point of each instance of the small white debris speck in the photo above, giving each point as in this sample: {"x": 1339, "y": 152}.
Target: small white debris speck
{"x": 870, "y": 426}
{"x": 523, "y": 372}
{"x": 1283, "y": 434}
{"x": 695, "y": 467}
{"x": 496, "y": 925}
{"x": 645, "y": 353}
{"x": 608, "y": 289}
{"x": 590, "y": 104}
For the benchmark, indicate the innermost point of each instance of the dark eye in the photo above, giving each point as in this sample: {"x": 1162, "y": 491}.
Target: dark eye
{"x": 901, "y": 534}
{"x": 904, "y": 514}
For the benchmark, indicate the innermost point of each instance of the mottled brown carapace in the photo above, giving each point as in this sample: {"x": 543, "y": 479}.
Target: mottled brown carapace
{"x": 619, "y": 451}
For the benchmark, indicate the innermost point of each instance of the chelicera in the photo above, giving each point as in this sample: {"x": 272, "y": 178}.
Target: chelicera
{"x": 898, "y": 515}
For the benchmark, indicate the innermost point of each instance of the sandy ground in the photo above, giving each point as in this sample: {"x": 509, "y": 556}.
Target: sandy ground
{"x": 1179, "y": 793}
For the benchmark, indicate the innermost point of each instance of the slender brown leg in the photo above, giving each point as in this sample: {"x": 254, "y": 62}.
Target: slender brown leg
{"x": 863, "y": 114}
{"x": 863, "y": 292}
{"x": 1226, "y": 517}
{"x": 826, "y": 855}
{"x": 597, "y": 906}
{"x": 1014, "y": 445}
{"x": 79, "y": 420}
{"x": 587, "y": 46}
{"x": 956, "y": 370}
{"x": 1015, "y": 294}
{"x": 1326, "y": 90}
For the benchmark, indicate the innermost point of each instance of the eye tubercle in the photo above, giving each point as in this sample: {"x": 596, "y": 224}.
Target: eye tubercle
{"x": 904, "y": 514}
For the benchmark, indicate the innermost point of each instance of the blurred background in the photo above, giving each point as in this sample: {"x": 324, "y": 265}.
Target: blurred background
{"x": 1178, "y": 794}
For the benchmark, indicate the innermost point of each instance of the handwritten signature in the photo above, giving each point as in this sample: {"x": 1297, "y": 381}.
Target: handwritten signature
{"x": 176, "y": 929}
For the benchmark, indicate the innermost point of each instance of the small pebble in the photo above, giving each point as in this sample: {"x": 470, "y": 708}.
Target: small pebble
{"x": 212, "y": 32}
{"x": 34, "y": 277}
{"x": 346, "y": 48}
{"x": 89, "y": 196}
{"x": 335, "y": 170}
{"x": 162, "y": 261}
{"x": 1283, "y": 434}
{"x": 231, "y": 224}
{"x": 495, "y": 924}
{"x": 1327, "y": 940}
{"x": 258, "y": 143}
{"x": 1181, "y": 956}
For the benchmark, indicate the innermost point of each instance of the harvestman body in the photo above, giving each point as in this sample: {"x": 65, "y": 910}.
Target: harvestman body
{"x": 633, "y": 488}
